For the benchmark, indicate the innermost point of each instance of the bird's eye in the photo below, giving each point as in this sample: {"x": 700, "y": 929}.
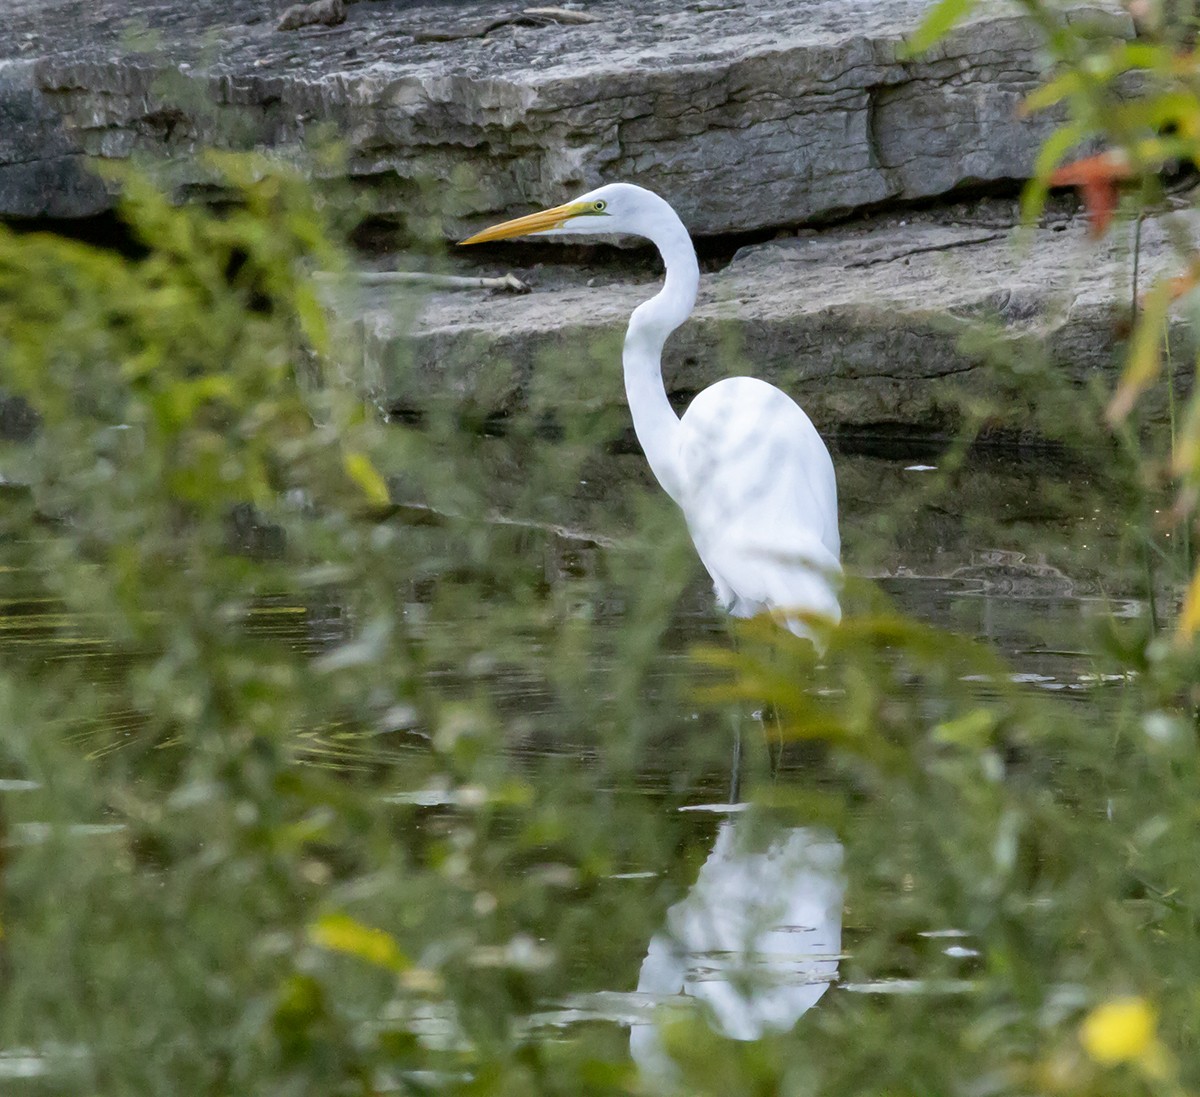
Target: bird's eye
{"x": 599, "y": 206}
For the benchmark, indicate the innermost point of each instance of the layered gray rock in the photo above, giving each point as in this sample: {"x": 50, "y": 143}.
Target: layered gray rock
{"x": 43, "y": 171}
{"x": 743, "y": 113}
{"x": 866, "y": 325}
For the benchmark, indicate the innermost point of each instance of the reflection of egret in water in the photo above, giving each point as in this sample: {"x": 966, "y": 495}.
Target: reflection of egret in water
{"x": 756, "y": 939}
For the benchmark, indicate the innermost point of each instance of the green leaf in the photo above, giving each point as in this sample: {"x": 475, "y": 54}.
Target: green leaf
{"x": 1054, "y": 91}
{"x": 945, "y": 15}
{"x": 1051, "y": 154}
{"x": 973, "y": 729}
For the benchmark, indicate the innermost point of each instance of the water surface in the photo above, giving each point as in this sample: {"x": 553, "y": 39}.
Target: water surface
{"x": 750, "y": 929}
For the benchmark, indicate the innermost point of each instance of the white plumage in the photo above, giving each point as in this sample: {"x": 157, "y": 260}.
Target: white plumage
{"x": 761, "y": 504}
{"x": 756, "y": 939}
{"x": 746, "y": 466}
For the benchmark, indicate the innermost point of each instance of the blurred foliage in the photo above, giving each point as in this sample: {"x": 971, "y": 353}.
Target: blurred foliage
{"x": 331, "y": 762}
{"x": 272, "y": 829}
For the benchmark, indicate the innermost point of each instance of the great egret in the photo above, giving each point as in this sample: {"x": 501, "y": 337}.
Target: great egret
{"x": 744, "y": 463}
{"x": 757, "y": 938}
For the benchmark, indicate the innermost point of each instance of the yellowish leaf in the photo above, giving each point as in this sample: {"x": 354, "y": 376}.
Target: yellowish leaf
{"x": 1145, "y": 352}
{"x": 341, "y": 933}
{"x": 1185, "y": 461}
{"x": 1189, "y": 616}
{"x": 359, "y": 468}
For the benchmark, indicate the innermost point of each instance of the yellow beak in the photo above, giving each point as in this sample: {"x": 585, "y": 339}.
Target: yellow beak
{"x": 534, "y": 222}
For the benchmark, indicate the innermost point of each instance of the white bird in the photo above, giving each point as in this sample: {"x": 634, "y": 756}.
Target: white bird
{"x": 757, "y": 938}
{"x": 745, "y": 464}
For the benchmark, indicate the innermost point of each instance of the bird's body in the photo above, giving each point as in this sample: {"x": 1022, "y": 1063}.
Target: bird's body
{"x": 744, "y": 463}
{"x": 761, "y": 506}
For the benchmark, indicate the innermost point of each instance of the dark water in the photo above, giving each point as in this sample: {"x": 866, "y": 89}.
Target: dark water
{"x": 1021, "y": 558}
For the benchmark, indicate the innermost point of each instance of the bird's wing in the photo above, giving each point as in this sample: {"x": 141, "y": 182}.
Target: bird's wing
{"x": 761, "y": 500}
{"x": 750, "y": 455}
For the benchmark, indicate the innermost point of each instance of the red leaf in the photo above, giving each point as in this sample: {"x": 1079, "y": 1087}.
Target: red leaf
{"x": 1097, "y": 178}
{"x": 1184, "y": 283}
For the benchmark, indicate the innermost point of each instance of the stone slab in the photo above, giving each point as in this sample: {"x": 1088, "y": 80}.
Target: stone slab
{"x": 865, "y": 326}
{"x": 745, "y": 114}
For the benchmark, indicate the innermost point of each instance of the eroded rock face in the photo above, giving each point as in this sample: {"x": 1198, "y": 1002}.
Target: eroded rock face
{"x": 43, "y": 173}
{"x": 743, "y": 113}
{"x": 863, "y": 325}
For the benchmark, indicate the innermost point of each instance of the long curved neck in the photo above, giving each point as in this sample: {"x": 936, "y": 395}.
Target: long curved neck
{"x": 654, "y": 420}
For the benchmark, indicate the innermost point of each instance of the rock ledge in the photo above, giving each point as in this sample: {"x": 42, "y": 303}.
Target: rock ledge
{"x": 743, "y": 113}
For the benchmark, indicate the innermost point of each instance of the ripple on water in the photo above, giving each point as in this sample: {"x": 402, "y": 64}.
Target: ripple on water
{"x": 32, "y": 834}
{"x": 22, "y": 1063}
